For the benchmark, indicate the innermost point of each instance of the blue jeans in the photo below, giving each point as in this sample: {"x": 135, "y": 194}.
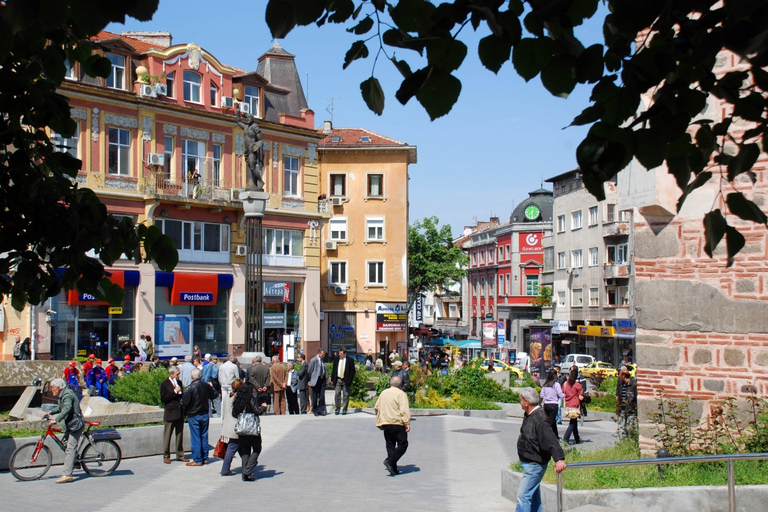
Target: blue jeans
{"x": 198, "y": 432}
{"x": 529, "y": 492}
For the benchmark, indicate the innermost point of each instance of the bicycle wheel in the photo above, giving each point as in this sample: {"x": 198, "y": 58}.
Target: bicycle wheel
{"x": 26, "y": 469}
{"x": 101, "y": 458}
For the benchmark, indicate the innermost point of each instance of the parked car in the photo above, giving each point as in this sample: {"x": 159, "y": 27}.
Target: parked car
{"x": 579, "y": 360}
{"x": 632, "y": 369}
{"x": 599, "y": 368}
{"x": 500, "y": 366}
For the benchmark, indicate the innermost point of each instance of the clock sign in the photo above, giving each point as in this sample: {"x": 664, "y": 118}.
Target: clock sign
{"x": 532, "y": 212}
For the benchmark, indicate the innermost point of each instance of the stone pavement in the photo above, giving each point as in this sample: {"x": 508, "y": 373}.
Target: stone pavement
{"x": 331, "y": 463}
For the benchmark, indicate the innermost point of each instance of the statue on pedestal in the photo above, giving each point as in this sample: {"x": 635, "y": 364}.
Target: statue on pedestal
{"x": 254, "y": 152}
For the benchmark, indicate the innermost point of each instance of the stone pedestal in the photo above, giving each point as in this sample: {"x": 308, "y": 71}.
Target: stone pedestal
{"x": 254, "y": 202}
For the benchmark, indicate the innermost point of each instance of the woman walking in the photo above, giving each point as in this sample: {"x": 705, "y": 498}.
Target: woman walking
{"x": 228, "y": 433}
{"x": 551, "y": 393}
{"x": 574, "y": 394}
{"x": 249, "y": 446}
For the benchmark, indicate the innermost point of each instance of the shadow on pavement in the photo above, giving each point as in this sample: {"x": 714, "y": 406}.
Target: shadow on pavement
{"x": 410, "y": 468}
{"x": 269, "y": 473}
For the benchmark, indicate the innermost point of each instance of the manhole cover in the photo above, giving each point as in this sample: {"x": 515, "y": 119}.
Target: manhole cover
{"x": 476, "y": 431}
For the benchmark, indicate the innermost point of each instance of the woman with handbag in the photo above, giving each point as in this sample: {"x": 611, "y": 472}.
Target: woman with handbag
{"x": 247, "y": 428}
{"x": 574, "y": 394}
{"x": 67, "y": 412}
{"x": 228, "y": 434}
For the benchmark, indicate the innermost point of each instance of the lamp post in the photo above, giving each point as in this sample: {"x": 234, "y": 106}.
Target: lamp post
{"x": 254, "y": 204}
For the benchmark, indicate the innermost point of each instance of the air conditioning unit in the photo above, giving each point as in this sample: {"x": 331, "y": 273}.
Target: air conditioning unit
{"x": 240, "y": 250}
{"x": 227, "y": 102}
{"x": 161, "y": 90}
{"x": 330, "y": 246}
{"x": 337, "y": 201}
{"x": 245, "y": 108}
{"x": 147, "y": 91}
{"x": 576, "y": 272}
{"x": 155, "y": 159}
{"x": 340, "y": 290}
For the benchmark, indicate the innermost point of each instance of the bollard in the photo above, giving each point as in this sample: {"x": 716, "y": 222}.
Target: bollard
{"x": 662, "y": 453}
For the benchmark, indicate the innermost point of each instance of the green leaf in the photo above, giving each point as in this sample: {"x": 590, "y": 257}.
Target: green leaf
{"x": 734, "y": 242}
{"x": 651, "y": 148}
{"x": 411, "y": 85}
{"x": 750, "y": 107}
{"x": 439, "y": 93}
{"x": 700, "y": 180}
{"x": 113, "y": 293}
{"x": 446, "y": 53}
{"x": 743, "y": 162}
{"x": 589, "y": 64}
{"x": 558, "y": 75}
{"x": 402, "y": 67}
{"x": 373, "y": 95}
{"x": 280, "y": 18}
{"x": 588, "y": 115}
{"x": 530, "y": 55}
{"x": 358, "y": 50}
{"x": 745, "y": 209}
{"x": 494, "y": 51}
{"x": 309, "y": 11}
{"x": 714, "y": 230}
{"x": 363, "y": 27}
{"x": 679, "y": 168}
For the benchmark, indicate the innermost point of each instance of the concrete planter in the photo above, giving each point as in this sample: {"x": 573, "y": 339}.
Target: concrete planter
{"x": 650, "y": 499}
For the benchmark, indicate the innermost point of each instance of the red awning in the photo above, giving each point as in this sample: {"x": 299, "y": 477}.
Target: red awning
{"x": 194, "y": 289}
{"x": 86, "y": 299}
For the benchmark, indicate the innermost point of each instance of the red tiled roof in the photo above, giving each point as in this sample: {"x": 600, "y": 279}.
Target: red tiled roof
{"x": 138, "y": 44}
{"x": 351, "y": 137}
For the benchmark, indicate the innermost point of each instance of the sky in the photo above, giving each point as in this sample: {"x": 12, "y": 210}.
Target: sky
{"x": 499, "y": 142}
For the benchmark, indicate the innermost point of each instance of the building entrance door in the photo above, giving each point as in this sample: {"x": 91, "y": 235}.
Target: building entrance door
{"x": 93, "y": 338}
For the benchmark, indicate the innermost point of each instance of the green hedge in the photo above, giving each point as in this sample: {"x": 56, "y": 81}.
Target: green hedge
{"x": 140, "y": 387}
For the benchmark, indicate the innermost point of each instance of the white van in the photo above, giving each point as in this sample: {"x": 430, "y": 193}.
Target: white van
{"x": 579, "y": 360}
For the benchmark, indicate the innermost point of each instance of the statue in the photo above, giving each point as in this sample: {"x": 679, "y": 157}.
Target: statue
{"x": 254, "y": 152}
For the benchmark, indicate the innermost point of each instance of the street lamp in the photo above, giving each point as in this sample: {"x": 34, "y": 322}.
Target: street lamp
{"x": 254, "y": 204}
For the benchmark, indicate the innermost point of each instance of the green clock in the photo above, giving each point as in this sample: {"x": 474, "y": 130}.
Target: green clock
{"x": 532, "y": 212}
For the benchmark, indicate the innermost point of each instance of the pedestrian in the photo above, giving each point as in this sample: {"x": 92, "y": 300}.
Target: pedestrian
{"x": 133, "y": 351}
{"x": 228, "y": 421}
{"x": 99, "y": 380}
{"x": 196, "y": 354}
{"x": 70, "y": 416}
{"x": 127, "y": 366}
{"x": 195, "y": 402}
{"x": 258, "y": 375}
{"x": 342, "y": 375}
{"x": 393, "y": 416}
{"x": 278, "y": 380}
{"x": 141, "y": 345}
{"x": 25, "y": 350}
{"x": 536, "y": 444}
{"x": 87, "y": 368}
{"x": 175, "y": 364}
{"x": 292, "y": 389}
{"x": 150, "y": 347}
{"x": 17, "y": 349}
{"x": 560, "y": 380}
{"x": 186, "y": 371}
{"x": 574, "y": 394}
{"x": 303, "y": 376}
{"x": 211, "y": 374}
{"x": 72, "y": 376}
{"x": 626, "y": 403}
{"x": 551, "y": 393}
{"x": 318, "y": 377}
{"x": 171, "y": 392}
{"x": 249, "y": 446}
{"x": 401, "y": 370}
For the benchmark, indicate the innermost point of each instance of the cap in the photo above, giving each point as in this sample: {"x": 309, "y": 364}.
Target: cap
{"x": 98, "y": 361}
{"x": 111, "y": 360}
{"x": 397, "y": 363}
{"x": 175, "y": 359}
{"x": 91, "y": 356}
{"x": 72, "y": 363}
{"x": 127, "y": 358}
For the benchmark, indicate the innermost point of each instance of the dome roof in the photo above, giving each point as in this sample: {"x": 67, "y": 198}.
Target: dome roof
{"x": 542, "y": 199}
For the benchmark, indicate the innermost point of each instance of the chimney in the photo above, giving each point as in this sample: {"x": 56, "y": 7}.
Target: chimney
{"x": 161, "y": 39}
{"x": 327, "y": 126}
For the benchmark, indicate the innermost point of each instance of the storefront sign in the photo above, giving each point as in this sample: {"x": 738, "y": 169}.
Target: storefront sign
{"x": 342, "y": 336}
{"x": 194, "y": 289}
{"x": 119, "y": 277}
{"x": 418, "y": 312}
{"x": 559, "y": 326}
{"x": 277, "y": 291}
{"x": 391, "y": 316}
{"x": 115, "y": 311}
{"x": 627, "y": 326}
{"x": 489, "y": 334}
{"x": 195, "y": 297}
{"x": 596, "y": 330}
{"x": 274, "y": 320}
{"x": 173, "y": 337}
{"x": 530, "y": 242}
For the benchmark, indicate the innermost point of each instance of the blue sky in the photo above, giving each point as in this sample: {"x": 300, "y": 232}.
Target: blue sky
{"x": 499, "y": 142}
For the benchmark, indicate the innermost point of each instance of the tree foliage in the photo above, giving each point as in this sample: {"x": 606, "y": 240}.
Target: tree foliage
{"x": 433, "y": 260}
{"x": 673, "y": 69}
{"x": 47, "y": 223}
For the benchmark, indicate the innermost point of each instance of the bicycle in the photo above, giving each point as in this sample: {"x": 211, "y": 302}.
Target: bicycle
{"x": 99, "y": 454}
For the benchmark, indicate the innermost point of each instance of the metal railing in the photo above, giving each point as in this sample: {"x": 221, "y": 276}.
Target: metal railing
{"x": 669, "y": 460}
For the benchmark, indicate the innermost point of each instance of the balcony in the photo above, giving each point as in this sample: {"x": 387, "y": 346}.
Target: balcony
{"x": 324, "y": 206}
{"x": 200, "y": 188}
{"x": 615, "y": 228}
{"x": 615, "y": 271}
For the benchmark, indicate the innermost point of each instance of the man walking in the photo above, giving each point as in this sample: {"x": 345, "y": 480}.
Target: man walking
{"x": 535, "y": 446}
{"x": 318, "y": 375}
{"x": 195, "y": 402}
{"x": 303, "y": 375}
{"x": 342, "y": 375}
{"x": 278, "y": 378}
{"x": 393, "y": 416}
{"x": 173, "y": 417}
{"x": 626, "y": 403}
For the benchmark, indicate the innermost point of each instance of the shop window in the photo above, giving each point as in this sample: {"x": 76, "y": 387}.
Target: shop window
{"x": 192, "y": 85}
{"x": 116, "y": 79}
{"x": 198, "y": 241}
{"x": 119, "y": 151}
{"x": 291, "y": 176}
{"x": 283, "y": 247}
{"x": 208, "y": 325}
{"x": 342, "y": 331}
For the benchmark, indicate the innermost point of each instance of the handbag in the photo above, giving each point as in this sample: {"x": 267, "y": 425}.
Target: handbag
{"x": 75, "y": 423}
{"x": 572, "y": 413}
{"x": 220, "y": 450}
{"x": 247, "y": 424}
{"x": 587, "y": 398}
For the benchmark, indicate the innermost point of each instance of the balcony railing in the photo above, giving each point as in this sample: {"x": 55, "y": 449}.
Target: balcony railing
{"x": 615, "y": 228}
{"x": 205, "y": 189}
{"x": 614, "y": 271}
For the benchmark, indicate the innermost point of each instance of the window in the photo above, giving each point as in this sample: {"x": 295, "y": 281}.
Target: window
{"x": 576, "y": 219}
{"x": 453, "y": 310}
{"x": 508, "y": 288}
{"x": 624, "y": 215}
{"x": 70, "y": 74}
{"x": 611, "y": 296}
{"x": 549, "y": 259}
{"x": 576, "y": 259}
{"x": 561, "y": 298}
{"x": 594, "y": 297}
{"x": 491, "y": 286}
{"x": 482, "y": 287}
{"x": 192, "y": 84}
{"x": 508, "y": 253}
{"x": 474, "y": 257}
{"x": 217, "y": 165}
{"x": 593, "y": 216}
{"x": 577, "y": 297}
{"x": 375, "y": 273}
{"x": 375, "y": 185}
{"x": 593, "y": 257}
{"x": 532, "y": 285}
{"x": 474, "y": 286}
{"x": 561, "y": 223}
{"x": 168, "y": 152}
{"x": 338, "y": 184}
{"x": 284, "y": 247}
{"x": 252, "y": 99}
{"x": 116, "y": 79}
{"x": 192, "y": 154}
{"x": 501, "y": 253}
{"x": 67, "y": 145}
{"x": 169, "y": 80}
{"x": 374, "y": 229}
{"x": 338, "y": 226}
{"x": 623, "y": 296}
{"x": 490, "y": 255}
{"x": 501, "y": 285}
{"x": 610, "y": 213}
{"x": 198, "y": 241}
{"x": 617, "y": 254}
{"x": 291, "y": 176}
{"x": 338, "y": 272}
{"x": 214, "y": 95}
{"x": 119, "y": 151}
{"x": 561, "y": 260}
{"x": 482, "y": 257}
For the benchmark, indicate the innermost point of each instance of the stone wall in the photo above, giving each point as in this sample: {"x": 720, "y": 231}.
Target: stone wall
{"x": 22, "y": 373}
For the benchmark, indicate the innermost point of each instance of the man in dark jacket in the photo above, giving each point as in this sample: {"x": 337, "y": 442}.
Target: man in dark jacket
{"x": 195, "y": 402}
{"x": 626, "y": 402}
{"x": 342, "y": 375}
{"x": 170, "y": 395}
{"x": 535, "y": 446}
{"x": 303, "y": 375}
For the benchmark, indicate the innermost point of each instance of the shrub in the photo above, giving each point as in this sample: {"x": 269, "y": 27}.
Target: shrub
{"x": 140, "y": 387}
{"x": 358, "y": 390}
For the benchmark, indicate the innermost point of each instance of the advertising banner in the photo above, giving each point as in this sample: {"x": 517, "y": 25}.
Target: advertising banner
{"x": 173, "y": 336}
{"x": 541, "y": 347}
{"x": 391, "y": 316}
{"x": 489, "y": 334}
{"x": 342, "y": 336}
{"x": 530, "y": 242}
{"x": 419, "y": 308}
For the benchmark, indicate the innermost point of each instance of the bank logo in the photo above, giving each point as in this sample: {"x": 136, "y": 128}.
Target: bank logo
{"x": 532, "y": 239}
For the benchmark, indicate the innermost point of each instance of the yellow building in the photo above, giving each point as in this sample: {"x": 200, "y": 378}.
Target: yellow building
{"x": 364, "y": 262}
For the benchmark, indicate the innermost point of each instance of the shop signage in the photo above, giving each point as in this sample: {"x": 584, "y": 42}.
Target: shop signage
{"x": 596, "y": 330}
{"x": 418, "y": 314}
{"x": 194, "y": 297}
{"x": 115, "y": 311}
{"x": 627, "y": 326}
{"x": 274, "y": 320}
{"x": 489, "y": 334}
{"x": 342, "y": 336}
{"x": 391, "y": 316}
{"x": 277, "y": 290}
{"x": 559, "y": 326}
{"x": 530, "y": 242}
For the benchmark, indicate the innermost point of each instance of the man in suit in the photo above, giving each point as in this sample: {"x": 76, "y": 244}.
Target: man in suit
{"x": 303, "y": 375}
{"x": 258, "y": 375}
{"x": 278, "y": 379}
{"x": 170, "y": 395}
{"x": 318, "y": 376}
{"x": 290, "y": 391}
{"x": 341, "y": 377}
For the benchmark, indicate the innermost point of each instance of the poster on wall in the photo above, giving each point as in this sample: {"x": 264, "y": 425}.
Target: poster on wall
{"x": 173, "y": 336}
{"x": 489, "y": 334}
